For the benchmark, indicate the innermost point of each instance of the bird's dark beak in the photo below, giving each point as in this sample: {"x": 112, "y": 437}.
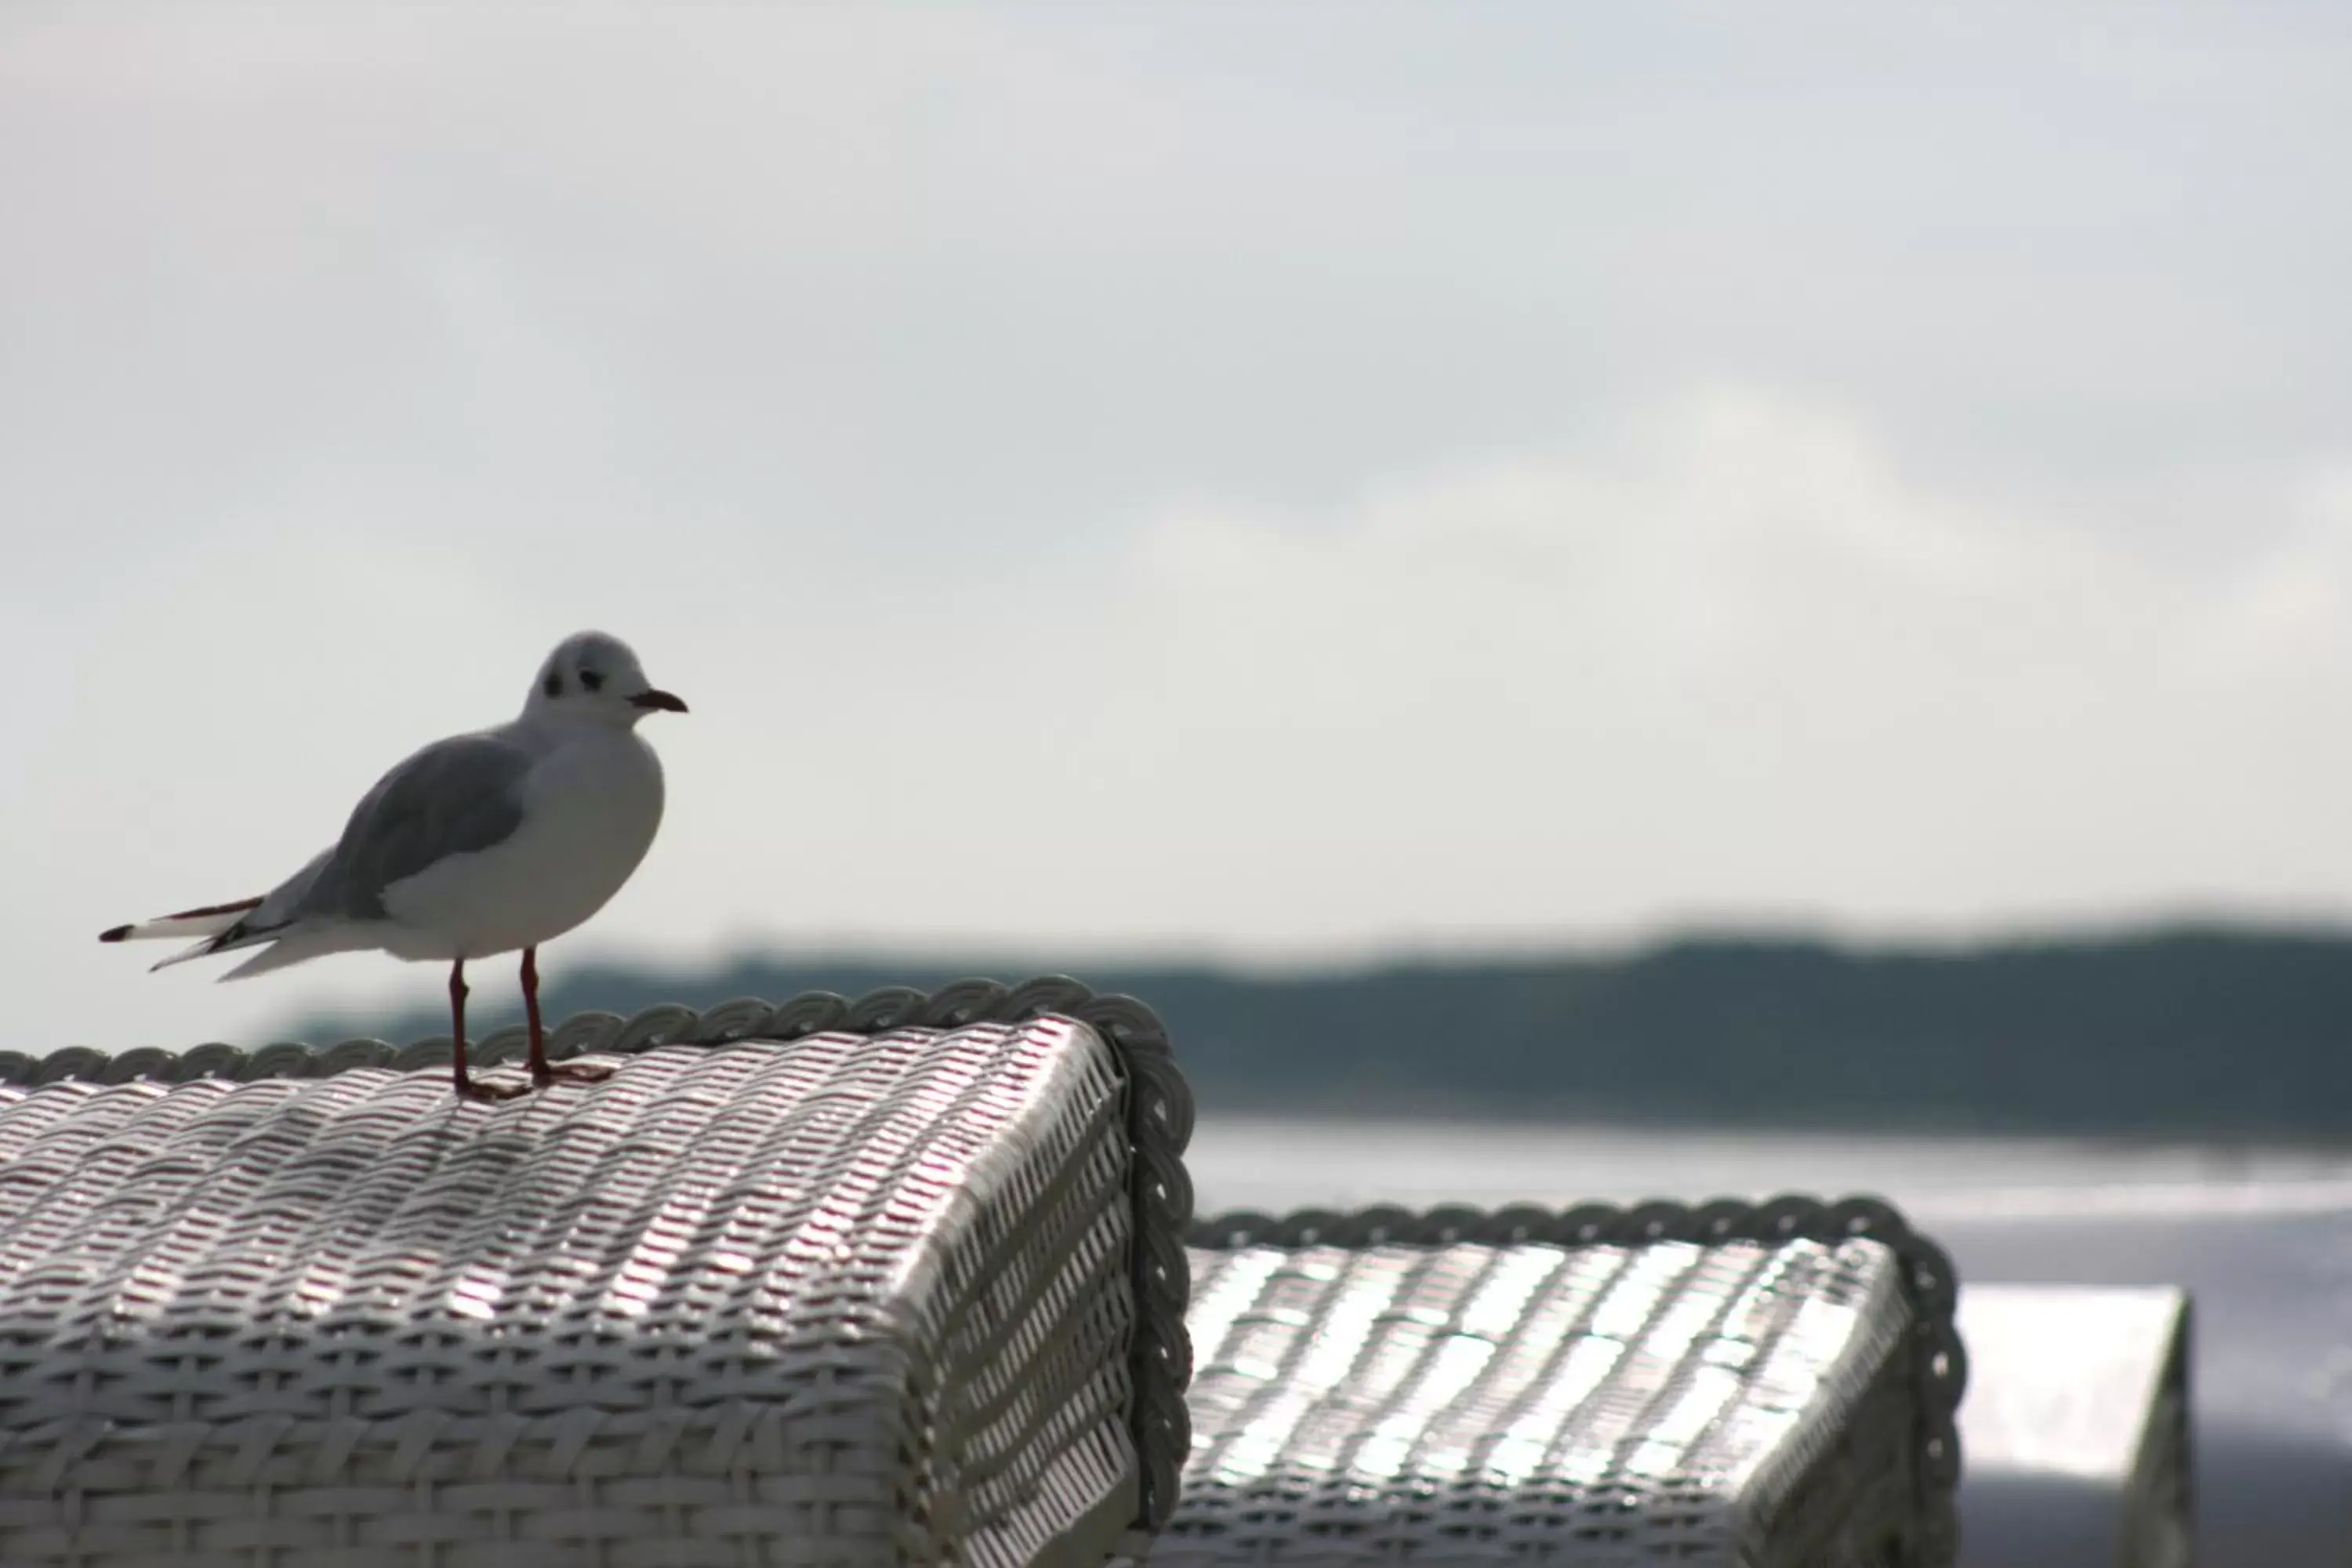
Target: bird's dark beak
{"x": 654, "y": 700}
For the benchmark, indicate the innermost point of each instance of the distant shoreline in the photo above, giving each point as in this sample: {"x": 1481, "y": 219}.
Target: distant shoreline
{"x": 2207, "y": 1033}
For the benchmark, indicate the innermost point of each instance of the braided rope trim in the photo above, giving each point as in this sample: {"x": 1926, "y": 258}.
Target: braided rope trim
{"x": 1159, "y": 1126}
{"x": 1939, "y": 1364}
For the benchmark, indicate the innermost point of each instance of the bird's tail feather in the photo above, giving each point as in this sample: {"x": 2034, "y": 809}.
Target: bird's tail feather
{"x": 249, "y": 923}
{"x": 292, "y": 946}
{"x": 230, "y": 941}
{"x": 210, "y": 921}
{"x": 204, "y": 949}
{"x": 218, "y": 928}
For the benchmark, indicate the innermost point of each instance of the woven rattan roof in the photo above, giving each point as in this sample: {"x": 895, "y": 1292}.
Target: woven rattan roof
{"x": 769, "y": 1230}
{"x": 1736, "y": 1384}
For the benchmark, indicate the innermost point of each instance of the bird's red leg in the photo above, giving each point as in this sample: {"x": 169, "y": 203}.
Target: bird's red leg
{"x": 462, "y": 1082}
{"x": 530, "y": 1010}
{"x": 542, "y": 1071}
{"x": 459, "y": 1081}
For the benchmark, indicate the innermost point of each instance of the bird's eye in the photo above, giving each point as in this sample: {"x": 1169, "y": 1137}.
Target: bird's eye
{"x": 553, "y": 685}
{"x": 590, "y": 681}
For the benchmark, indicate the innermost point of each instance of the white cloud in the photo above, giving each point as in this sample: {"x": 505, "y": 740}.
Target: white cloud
{"x": 2292, "y": 610}
{"x": 1728, "y": 551}
{"x": 1725, "y": 660}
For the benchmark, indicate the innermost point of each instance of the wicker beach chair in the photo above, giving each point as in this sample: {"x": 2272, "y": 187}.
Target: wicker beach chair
{"x": 893, "y": 1283}
{"x": 1731, "y": 1384}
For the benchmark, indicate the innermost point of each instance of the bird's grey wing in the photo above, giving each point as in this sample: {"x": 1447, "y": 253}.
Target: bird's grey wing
{"x": 455, "y": 797}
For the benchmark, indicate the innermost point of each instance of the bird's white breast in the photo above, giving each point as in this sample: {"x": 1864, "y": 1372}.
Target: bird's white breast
{"x": 591, "y": 807}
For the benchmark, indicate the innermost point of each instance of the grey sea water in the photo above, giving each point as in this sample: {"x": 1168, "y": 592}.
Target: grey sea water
{"x": 2262, "y": 1238}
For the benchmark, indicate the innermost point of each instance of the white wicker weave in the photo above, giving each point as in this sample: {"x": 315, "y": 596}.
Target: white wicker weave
{"x": 890, "y": 1294}
{"x": 1723, "y": 1385}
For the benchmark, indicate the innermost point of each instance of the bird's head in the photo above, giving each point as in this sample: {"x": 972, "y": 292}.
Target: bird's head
{"x": 595, "y": 677}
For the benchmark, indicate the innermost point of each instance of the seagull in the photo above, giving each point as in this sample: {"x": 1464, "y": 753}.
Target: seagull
{"x": 476, "y": 845}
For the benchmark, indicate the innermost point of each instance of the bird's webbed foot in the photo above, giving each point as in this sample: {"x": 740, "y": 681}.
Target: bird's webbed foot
{"x": 545, "y": 1074}
{"x": 484, "y": 1092}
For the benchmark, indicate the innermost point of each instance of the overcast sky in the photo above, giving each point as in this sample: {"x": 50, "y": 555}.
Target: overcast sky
{"x": 1276, "y": 481}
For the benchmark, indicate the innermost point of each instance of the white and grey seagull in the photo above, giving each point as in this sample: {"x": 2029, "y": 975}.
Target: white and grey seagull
{"x": 476, "y": 845}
